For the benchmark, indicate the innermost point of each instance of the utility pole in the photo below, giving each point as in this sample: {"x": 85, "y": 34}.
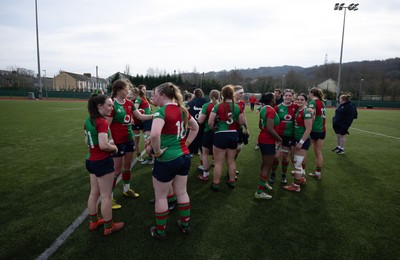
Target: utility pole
{"x": 37, "y": 48}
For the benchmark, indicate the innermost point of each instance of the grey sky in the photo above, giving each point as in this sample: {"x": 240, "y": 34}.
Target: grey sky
{"x": 208, "y": 35}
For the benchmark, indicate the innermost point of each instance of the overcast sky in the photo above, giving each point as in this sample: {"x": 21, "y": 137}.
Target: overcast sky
{"x": 188, "y": 35}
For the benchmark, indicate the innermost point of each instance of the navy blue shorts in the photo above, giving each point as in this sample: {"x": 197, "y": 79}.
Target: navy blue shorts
{"x": 100, "y": 167}
{"x": 226, "y": 140}
{"x": 267, "y": 149}
{"x": 166, "y": 171}
{"x": 317, "y": 135}
{"x": 340, "y": 130}
{"x": 287, "y": 141}
{"x": 138, "y": 126}
{"x": 306, "y": 144}
{"x": 208, "y": 140}
{"x": 125, "y": 148}
{"x": 147, "y": 125}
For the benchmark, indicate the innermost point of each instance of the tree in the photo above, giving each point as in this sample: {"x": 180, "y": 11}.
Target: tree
{"x": 22, "y": 78}
{"x": 127, "y": 70}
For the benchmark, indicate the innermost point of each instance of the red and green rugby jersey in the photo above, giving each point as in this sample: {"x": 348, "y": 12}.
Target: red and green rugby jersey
{"x": 92, "y": 136}
{"x": 299, "y": 126}
{"x": 286, "y": 116}
{"x": 143, "y": 104}
{"x": 206, "y": 110}
{"x": 173, "y": 134}
{"x": 227, "y": 116}
{"x": 265, "y": 137}
{"x": 242, "y": 106}
{"x": 320, "y": 118}
{"x": 121, "y": 126}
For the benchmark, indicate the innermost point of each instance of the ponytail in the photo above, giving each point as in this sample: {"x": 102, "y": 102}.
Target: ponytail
{"x": 172, "y": 92}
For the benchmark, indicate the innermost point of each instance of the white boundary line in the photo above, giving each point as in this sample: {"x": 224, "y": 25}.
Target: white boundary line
{"x": 77, "y": 222}
{"x": 374, "y": 133}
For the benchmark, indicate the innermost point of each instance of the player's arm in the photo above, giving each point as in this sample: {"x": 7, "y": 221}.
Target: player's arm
{"x": 194, "y": 128}
{"x": 109, "y": 121}
{"x": 271, "y": 130}
{"x": 211, "y": 120}
{"x": 155, "y": 135}
{"x": 141, "y": 116}
{"x": 105, "y": 145}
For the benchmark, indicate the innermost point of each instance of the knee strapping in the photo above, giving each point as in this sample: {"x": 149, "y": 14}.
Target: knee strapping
{"x": 297, "y": 160}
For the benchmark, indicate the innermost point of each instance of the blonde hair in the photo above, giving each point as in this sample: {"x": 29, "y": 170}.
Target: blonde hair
{"x": 173, "y": 92}
{"x": 345, "y": 97}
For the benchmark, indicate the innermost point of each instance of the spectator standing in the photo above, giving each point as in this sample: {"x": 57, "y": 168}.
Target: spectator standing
{"x": 252, "y": 101}
{"x": 278, "y": 96}
{"x": 344, "y": 115}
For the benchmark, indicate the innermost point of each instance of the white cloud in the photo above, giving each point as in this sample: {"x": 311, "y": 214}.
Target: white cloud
{"x": 180, "y": 35}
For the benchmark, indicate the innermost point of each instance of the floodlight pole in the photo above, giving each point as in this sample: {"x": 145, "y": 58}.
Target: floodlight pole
{"x": 37, "y": 50}
{"x": 339, "y": 7}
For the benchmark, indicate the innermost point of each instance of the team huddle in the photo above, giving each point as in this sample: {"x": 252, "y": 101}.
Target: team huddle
{"x": 178, "y": 129}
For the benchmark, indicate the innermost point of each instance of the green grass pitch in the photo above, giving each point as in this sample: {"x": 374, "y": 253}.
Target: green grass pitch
{"x": 352, "y": 213}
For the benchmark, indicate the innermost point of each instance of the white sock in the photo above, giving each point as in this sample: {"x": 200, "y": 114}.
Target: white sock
{"x": 127, "y": 187}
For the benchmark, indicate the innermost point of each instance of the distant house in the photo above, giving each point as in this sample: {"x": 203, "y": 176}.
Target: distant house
{"x": 67, "y": 81}
{"x": 329, "y": 85}
{"x": 117, "y": 75}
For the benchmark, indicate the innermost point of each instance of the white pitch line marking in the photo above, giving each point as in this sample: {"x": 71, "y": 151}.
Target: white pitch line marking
{"x": 374, "y": 133}
{"x": 77, "y": 222}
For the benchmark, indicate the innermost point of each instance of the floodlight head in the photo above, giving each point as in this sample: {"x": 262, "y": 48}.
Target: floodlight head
{"x": 336, "y": 6}
{"x": 353, "y": 7}
{"x": 339, "y": 6}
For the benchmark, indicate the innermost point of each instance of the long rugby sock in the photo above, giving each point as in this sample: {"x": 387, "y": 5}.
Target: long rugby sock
{"x": 93, "y": 218}
{"x": 275, "y": 165}
{"x": 108, "y": 224}
{"x": 126, "y": 178}
{"x": 285, "y": 165}
{"x": 297, "y": 181}
{"x": 261, "y": 184}
{"x": 231, "y": 184}
{"x": 184, "y": 212}
{"x": 161, "y": 221}
{"x": 171, "y": 198}
{"x": 215, "y": 186}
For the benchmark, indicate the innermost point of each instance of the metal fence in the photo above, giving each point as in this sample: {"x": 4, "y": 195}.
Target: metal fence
{"x": 29, "y": 94}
